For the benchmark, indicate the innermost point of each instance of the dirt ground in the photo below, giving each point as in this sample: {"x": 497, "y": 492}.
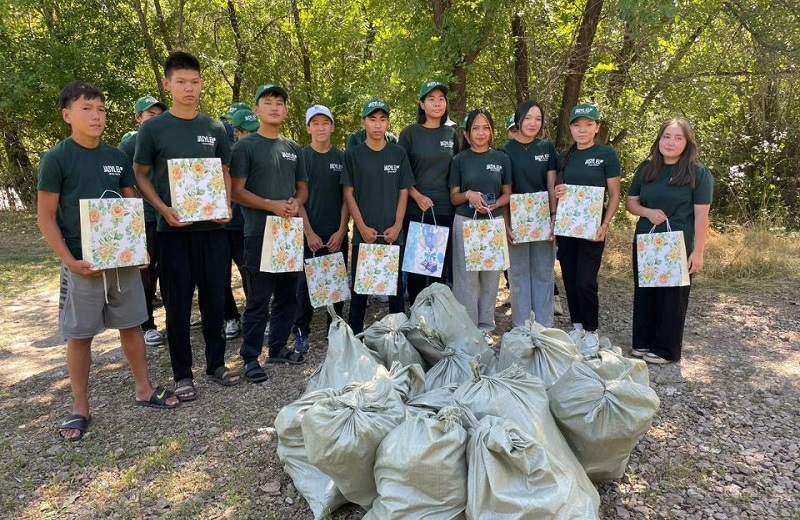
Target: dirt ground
{"x": 724, "y": 443}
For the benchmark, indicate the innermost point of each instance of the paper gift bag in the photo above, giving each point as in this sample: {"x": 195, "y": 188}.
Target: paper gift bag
{"x": 485, "y": 244}
{"x": 282, "y": 250}
{"x": 530, "y": 216}
{"x": 661, "y": 259}
{"x": 426, "y": 246}
{"x": 112, "y": 232}
{"x": 326, "y": 277}
{"x": 579, "y": 213}
{"x": 197, "y": 189}
{"x": 377, "y": 269}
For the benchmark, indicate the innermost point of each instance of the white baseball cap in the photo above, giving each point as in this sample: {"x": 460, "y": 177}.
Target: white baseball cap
{"x": 318, "y": 110}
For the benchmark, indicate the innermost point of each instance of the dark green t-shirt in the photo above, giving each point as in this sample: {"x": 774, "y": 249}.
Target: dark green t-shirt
{"x": 592, "y": 166}
{"x": 377, "y": 178}
{"x": 168, "y": 137}
{"x": 75, "y": 173}
{"x": 128, "y": 145}
{"x": 359, "y": 136}
{"x": 677, "y": 202}
{"x": 272, "y": 167}
{"x": 430, "y": 151}
{"x": 324, "y": 205}
{"x": 485, "y": 172}
{"x": 530, "y": 164}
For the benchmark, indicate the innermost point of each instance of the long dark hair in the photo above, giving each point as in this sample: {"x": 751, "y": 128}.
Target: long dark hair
{"x": 683, "y": 172}
{"x": 522, "y": 111}
{"x": 421, "y": 118}
{"x": 471, "y": 119}
{"x": 562, "y": 165}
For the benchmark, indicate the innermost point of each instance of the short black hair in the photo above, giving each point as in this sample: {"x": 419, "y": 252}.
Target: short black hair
{"x": 77, "y": 89}
{"x": 180, "y": 60}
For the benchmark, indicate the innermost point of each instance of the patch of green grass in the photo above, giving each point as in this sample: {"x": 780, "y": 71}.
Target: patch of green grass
{"x": 25, "y": 257}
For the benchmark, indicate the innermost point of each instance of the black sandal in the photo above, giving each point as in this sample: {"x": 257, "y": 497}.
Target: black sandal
{"x": 225, "y": 377}
{"x": 159, "y": 399}
{"x": 185, "y": 390}
{"x": 285, "y": 355}
{"x": 254, "y": 372}
{"x": 73, "y": 421}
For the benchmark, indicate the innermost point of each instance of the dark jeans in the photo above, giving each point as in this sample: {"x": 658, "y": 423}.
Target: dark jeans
{"x": 358, "y": 302}
{"x": 580, "y": 261}
{"x": 236, "y": 243}
{"x": 659, "y": 315}
{"x": 417, "y": 282}
{"x": 192, "y": 259}
{"x": 150, "y": 274}
{"x": 261, "y": 287}
{"x": 305, "y": 312}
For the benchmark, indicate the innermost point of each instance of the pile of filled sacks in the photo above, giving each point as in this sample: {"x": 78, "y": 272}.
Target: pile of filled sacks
{"x": 419, "y": 418}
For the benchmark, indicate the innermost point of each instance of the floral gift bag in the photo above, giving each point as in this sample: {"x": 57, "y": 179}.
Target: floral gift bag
{"x": 197, "y": 189}
{"x": 485, "y": 244}
{"x": 326, "y": 277}
{"x": 282, "y": 250}
{"x": 530, "y": 216}
{"x": 661, "y": 259}
{"x": 426, "y": 246}
{"x": 579, "y": 213}
{"x": 377, "y": 269}
{"x": 112, "y": 232}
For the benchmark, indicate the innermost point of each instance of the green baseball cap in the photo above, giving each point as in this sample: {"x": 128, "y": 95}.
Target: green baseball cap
{"x": 510, "y": 122}
{"x": 143, "y": 103}
{"x": 373, "y": 106}
{"x": 245, "y": 118}
{"x": 429, "y": 85}
{"x": 270, "y": 87}
{"x": 586, "y": 110}
{"x": 239, "y": 105}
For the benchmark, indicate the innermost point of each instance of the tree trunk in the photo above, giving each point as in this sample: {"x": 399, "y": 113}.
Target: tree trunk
{"x": 21, "y": 176}
{"x": 521, "y": 75}
{"x": 576, "y": 67}
{"x": 305, "y": 55}
{"x": 162, "y": 25}
{"x": 149, "y": 46}
{"x": 241, "y": 52}
{"x": 619, "y": 76}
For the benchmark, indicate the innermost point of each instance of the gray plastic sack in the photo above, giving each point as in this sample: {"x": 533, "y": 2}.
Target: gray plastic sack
{"x": 545, "y": 353}
{"x": 342, "y": 435}
{"x": 454, "y": 367}
{"x": 347, "y": 360}
{"x": 408, "y": 381}
{"x": 513, "y": 476}
{"x": 321, "y": 494}
{"x": 433, "y": 400}
{"x": 602, "y": 418}
{"x": 436, "y": 307}
{"x": 421, "y": 469}
{"x": 610, "y": 365}
{"x": 387, "y": 338}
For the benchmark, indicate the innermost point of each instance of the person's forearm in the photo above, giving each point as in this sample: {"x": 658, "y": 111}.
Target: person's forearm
{"x": 701, "y": 223}
{"x": 146, "y": 188}
{"x": 611, "y": 210}
{"x": 344, "y": 219}
{"x": 52, "y": 234}
{"x": 301, "y": 193}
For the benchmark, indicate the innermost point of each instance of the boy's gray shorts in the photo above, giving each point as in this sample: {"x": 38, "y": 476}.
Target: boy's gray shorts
{"x": 92, "y": 304}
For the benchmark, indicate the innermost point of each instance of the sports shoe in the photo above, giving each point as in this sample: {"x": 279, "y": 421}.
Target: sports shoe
{"x": 590, "y": 340}
{"x": 639, "y": 352}
{"x": 558, "y": 310}
{"x": 576, "y": 335}
{"x": 153, "y": 338}
{"x": 488, "y": 337}
{"x": 232, "y": 329}
{"x": 196, "y": 321}
{"x": 301, "y": 342}
{"x": 656, "y": 360}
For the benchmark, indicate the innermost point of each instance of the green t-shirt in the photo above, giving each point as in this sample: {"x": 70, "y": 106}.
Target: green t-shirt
{"x": 75, "y": 173}
{"x": 168, "y": 137}
{"x": 272, "y": 167}
{"x": 592, "y": 166}
{"x": 430, "y": 151}
{"x": 324, "y": 204}
{"x": 377, "y": 178}
{"x": 128, "y": 145}
{"x": 677, "y": 202}
{"x": 530, "y": 164}
{"x": 485, "y": 172}
{"x": 359, "y": 136}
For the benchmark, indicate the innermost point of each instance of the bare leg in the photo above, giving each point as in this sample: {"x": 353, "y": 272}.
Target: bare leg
{"x": 79, "y": 360}
{"x": 133, "y": 347}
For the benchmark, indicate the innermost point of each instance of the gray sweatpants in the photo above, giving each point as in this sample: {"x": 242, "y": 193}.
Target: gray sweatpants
{"x": 530, "y": 279}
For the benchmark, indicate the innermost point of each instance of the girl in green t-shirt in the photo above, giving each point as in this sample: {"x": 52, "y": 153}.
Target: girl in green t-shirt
{"x": 669, "y": 186}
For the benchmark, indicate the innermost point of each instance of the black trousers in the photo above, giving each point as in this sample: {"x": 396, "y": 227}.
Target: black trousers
{"x": 659, "y": 315}
{"x": 261, "y": 287}
{"x": 192, "y": 259}
{"x": 417, "y": 282}
{"x": 236, "y": 243}
{"x": 358, "y": 302}
{"x": 580, "y": 261}
{"x": 305, "y": 312}
{"x": 150, "y": 273}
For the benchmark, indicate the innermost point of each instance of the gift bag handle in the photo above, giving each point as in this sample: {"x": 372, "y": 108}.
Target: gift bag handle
{"x": 669, "y": 229}
{"x": 475, "y": 215}
{"x": 433, "y": 214}
{"x": 110, "y": 191}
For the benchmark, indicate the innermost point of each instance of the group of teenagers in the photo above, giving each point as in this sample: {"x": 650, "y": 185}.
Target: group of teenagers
{"x": 434, "y": 172}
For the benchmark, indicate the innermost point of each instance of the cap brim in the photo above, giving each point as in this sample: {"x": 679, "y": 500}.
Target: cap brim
{"x": 438, "y": 86}
{"x": 376, "y": 109}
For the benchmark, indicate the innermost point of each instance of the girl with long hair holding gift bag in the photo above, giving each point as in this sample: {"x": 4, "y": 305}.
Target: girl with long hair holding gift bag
{"x": 670, "y": 189}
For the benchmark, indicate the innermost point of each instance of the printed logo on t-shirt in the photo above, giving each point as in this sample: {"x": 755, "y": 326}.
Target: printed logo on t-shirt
{"x": 494, "y": 168}
{"x": 541, "y": 157}
{"x": 335, "y": 167}
{"x": 112, "y": 170}
{"x": 446, "y": 144}
{"x": 207, "y": 140}
{"x": 289, "y": 156}
{"x": 391, "y": 168}
{"x": 594, "y": 162}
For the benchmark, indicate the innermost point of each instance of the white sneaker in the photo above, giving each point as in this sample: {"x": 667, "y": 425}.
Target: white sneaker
{"x": 639, "y": 352}
{"x": 655, "y": 359}
{"x": 590, "y": 340}
{"x": 488, "y": 337}
{"x": 232, "y": 329}
{"x": 558, "y": 310}
{"x": 576, "y": 335}
{"x": 153, "y": 338}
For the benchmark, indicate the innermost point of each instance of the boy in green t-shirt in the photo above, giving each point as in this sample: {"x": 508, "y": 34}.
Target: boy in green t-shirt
{"x": 146, "y": 108}
{"x": 81, "y": 167}
{"x": 191, "y": 254}
{"x": 376, "y": 178}
{"x": 269, "y": 178}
